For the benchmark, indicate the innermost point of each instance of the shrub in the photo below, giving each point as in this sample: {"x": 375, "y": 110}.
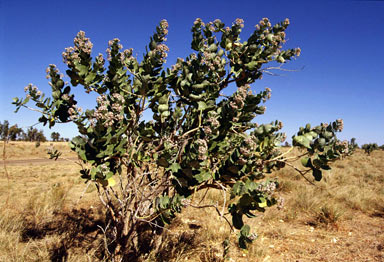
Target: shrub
{"x": 368, "y": 148}
{"x": 146, "y": 171}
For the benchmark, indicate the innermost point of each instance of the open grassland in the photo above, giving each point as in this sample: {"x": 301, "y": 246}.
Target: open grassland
{"x": 20, "y": 150}
{"x": 48, "y": 214}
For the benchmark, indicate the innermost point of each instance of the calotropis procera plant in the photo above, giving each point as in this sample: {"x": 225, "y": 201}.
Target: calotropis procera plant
{"x": 148, "y": 170}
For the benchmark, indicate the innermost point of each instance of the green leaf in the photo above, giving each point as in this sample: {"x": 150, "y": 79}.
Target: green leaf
{"x": 252, "y": 65}
{"x": 174, "y": 167}
{"x": 82, "y": 155}
{"x": 78, "y": 141}
{"x": 204, "y": 175}
{"x": 164, "y": 202}
{"x": 236, "y": 189}
{"x": 302, "y": 140}
{"x": 317, "y": 174}
{"x": 306, "y": 162}
{"x": 245, "y": 230}
{"x": 237, "y": 220}
{"x": 202, "y": 105}
{"x": 89, "y": 78}
{"x": 83, "y": 70}
{"x": 56, "y": 94}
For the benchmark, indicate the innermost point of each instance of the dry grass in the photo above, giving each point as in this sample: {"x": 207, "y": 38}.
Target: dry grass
{"x": 28, "y": 150}
{"x": 340, "y": 219}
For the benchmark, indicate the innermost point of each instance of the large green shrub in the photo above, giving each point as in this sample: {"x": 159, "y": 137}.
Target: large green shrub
{"x": 198, "y": 138}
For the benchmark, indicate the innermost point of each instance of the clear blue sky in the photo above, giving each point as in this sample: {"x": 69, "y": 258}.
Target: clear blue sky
{"x": 341, "y": 41}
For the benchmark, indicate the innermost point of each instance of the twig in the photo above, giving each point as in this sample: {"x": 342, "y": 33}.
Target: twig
{"x": 302, "y": 173}
{"x": 34, "y": 109}
{"x": 217, "y": 210}
{"x": 82, "y": 194}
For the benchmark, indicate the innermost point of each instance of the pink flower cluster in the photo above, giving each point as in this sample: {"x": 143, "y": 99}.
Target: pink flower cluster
{"x": 211, "y": 60}
{"x": 163, "y": 29}
{"x": 239, "y": 22}
{"x": 238, "y": 99}
{"x": 106, "y": 115}
{"x": 161, "y": 52}
{"x": 111, "y": 43}
{"x": 203, "y": 149}
{"x": 340, "y": 125}
{"x": 33, "y": 91}
{"x": 198, "y": 22}
{"x": 74, "y": 112}
{"x": 82, "y": 45}
{"x": 267, "y": 187}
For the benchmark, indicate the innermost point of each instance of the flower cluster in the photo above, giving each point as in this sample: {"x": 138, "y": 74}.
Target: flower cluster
{"x": 212, "y": 60}
{"x": 163, "y": 30}
{"x": 267, "y": 187}
{"x": 212, "y": 119}
{"x": 161, "y": 52}
{"x": 239, "y": 22}
{"x": 203, "y": 149}
{"x": 100, "y": 59}
{"x": 264, "y": 22}
{"x": 185, "y": 202}
{"x": 104, "y": 169}
{"x": 239, "y": 98}
{"x": 74, "y": 112}
{"x": 82, "y": 45}
{"x": 211, "y": 27}
{"x": 33, "y": 91}
{"x": 340, "y": 125}
{"x": 179, "y": 64}
{"x": 127, "y": 55}
{"x": 52, "y": 69}
{"x": 251, "y": 144}
{"x": 297, "y": 51}
{"x": 280, "y": 203}
{"x": 109, "y": 113}
{"x": 198, "y": 22}
{"x": 111, "y": 44}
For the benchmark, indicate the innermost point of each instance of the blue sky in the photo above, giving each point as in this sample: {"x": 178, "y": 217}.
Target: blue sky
{"x": 340, "y": 72}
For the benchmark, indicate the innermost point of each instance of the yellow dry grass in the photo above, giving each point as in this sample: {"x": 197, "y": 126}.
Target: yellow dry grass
{"x": 42, "y": 217}
{"x": 28, "y": 150}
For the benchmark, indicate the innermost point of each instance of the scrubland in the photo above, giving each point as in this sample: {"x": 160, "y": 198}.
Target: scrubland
{"x": 48, "y": 213}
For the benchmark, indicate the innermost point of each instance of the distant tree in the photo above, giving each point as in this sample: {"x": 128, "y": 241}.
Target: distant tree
{"x": 41, "y": 137}
{"x": 55, "y": 136}
{"x": 353, "y": 143}
{"x": 286, "y": 144}
{"x": 4, "y": 130}
{"x": 35, "y": 135}
{"x": 368, "y": 148}
{"x": 31, "y": 134}
{"x": 15, "y": 133}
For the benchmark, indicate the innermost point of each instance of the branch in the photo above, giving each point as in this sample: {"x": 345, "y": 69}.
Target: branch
{"x": 34, "y": 109}
{"x": 266, "y": 70}
{"x": 302, "y": 173}
{"x": 218, "y": 211}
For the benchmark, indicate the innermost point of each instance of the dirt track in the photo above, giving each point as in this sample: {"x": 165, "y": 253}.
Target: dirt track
{"x": 35, "y": 161}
